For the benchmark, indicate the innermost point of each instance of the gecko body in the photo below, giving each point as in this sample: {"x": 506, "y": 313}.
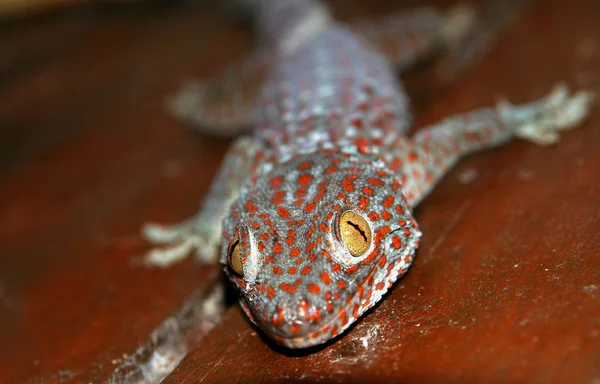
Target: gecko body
{"x": 311, "y": 212}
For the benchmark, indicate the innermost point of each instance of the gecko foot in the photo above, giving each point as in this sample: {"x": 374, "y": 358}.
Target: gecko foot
{"x": 460, "y": 22}
{"x": 176, "y": 243}
{"x": 540, "y": 122}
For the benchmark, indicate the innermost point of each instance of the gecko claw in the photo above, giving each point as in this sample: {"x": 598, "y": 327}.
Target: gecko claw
{"x": 540, "y": 122}
{"x": 179, "y": 240}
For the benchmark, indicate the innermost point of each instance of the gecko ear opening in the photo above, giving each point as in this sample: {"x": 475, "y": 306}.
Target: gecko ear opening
{"x": 355, "y": 233}
{"x": 234, "y": 258}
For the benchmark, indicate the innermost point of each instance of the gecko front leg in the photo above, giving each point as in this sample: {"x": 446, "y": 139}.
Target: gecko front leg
{"x": 201, "y": 233}
{"x": 434, "y": 150}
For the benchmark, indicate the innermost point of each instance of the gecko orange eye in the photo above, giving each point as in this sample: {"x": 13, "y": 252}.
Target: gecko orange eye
{"x": 355, "y": 233}
{"x": 233, "y": 256}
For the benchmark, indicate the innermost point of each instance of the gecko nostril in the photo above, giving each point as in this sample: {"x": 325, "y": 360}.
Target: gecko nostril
{"x": 296, "y": 315}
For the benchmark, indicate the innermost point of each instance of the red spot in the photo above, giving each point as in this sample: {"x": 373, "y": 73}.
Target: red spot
{"x": 295, "y": 252}
{"x": 362, "y": 146}
{"x": 382, "y": 261}
{"x": 352, "y": 269}
{"x": 288, "y": 288}
{"x": 399, "y": 209}
{"x": 347, "y": 185}
{"x": 271, "y": 292}
{"x": 309, "y": 208}
{"x": 361, "y": 292}
{"x": 412, "y": 157}
{"x": 292, "y": 270}
{"x": 264, "y": 236}
{"x": 355, "y": 313}
{"x": 305, "y": 165}
{"x": 362, "y": 205}
{"x": 278, "y": 197}
{"x": 278, "y": 317}
{"x": 295, "y": 328}
{"x": 375, "y": 182}
{"x": 396, "y": 164}
{"x": 379, "y": 286}
{"x": 260, "y": 246}
{"x": 312, "y": 257}
{"x": 313, "y": 288}
{"x": 304, "y": 179}
{"x": 357, "y": 123}
{"x": 373, "y": 216}
{"x": 343, "y": 317}
{"x": 390, "y": 267}
{"x": 306, "y": 270}
{"x": 367, "y": 190}
{"x": 254, "y": 224}
{"x": 300, "y": 192}
{"x": 336, "y": 268}
{"x": 291, "y": 239}
{"x": 334, "y": 330}
{"x": 283, "y": 212}
{"x": 325, "y": 278}
{"x": 388, "y": 201}
{"x": 250, "y": 206}
{"x": 383, "y": 231}
{"x": 331, "y": 169}
{"x": 277, "y": 248}
{"x": 396, "y": 242}
{"x": 276, "y": 181}
{"x": 386, "y": 215}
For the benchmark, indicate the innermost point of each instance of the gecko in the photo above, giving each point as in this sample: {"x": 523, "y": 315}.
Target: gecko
{"x": 310, "y": 214}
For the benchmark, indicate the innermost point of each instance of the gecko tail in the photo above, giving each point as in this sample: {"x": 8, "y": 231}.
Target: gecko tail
{"x": 285, "y": 25}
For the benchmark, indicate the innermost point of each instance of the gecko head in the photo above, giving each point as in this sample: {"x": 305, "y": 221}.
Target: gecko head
{"x": 315, "y": 242}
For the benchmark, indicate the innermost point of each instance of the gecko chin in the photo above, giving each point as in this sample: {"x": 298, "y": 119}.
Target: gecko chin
{"x": 315, "y": 243}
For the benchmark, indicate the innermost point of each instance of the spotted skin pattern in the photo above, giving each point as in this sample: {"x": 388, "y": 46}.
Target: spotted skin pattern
{"x": 329, "y": 136}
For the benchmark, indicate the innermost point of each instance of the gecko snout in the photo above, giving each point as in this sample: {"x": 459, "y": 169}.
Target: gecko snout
{"x": 295, "y": 316}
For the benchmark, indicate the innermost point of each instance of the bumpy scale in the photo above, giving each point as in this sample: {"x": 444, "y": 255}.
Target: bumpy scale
{"x": 311, "y": 212}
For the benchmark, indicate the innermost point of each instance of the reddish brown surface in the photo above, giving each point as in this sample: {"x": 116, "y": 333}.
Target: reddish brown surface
{"x": 502, "y": 290}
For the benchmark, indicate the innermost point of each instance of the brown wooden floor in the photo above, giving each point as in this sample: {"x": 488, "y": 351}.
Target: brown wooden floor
{"x": 506, "y": 287}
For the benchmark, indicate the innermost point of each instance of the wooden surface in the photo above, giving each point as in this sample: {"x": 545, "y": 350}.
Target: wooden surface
{"x": 506, "y": 287}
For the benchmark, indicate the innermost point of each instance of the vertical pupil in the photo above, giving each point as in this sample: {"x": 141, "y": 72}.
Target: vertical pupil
{"x": 233, "y": 246}
{"x": 358, "y": 229}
